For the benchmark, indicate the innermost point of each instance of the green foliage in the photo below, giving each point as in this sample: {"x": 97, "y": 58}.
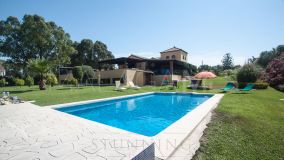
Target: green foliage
{"x": 84, "y": 54}
{"x": 51, "y": 79}
{"x": 34, "y": 38}
{"x": 260, "y": 85}
{"x": 39, "y": 67}
{"x": 280, "y": 49}
{"x": 78, "y": 73}
{"x": 10, "y": 80}
{"x": 19, "y": 82}
{"x": 266, "y": 56}
{"x": 280, "y": 87}
{"x": 90, "y": 53}
{"x": 217, "y": 69}
{"x": 204, "y": 67}
{"x": 3, "y": 82}
{"x": 227, "y": 61}
{"x": 101, "y": 52}
{"x": 88, "y": 73}
{"x": 29, "y": 81}
{"x": 72, "y": 81}
{"x": 247, "y": 74}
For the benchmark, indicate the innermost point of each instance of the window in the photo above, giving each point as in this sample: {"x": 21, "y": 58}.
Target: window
{"x": 173, "y": 57}
{"x": 167, "y": 57}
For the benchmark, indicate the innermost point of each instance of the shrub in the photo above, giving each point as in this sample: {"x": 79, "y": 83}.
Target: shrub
{"x": 275, "y": 72}
{"x": 260, "y": 85}
{"x": 51, "y": 79}
{"x": 247, "y": 74}
{"x": 88, "y": 72}
{"x": 10, "y": 81}
{"x": 78, "y": 73}
{"x": 29, "y": 81}
{"x": 3, "y": 82}
{"x": 72, "y": 81}
{"x": 19, "y": 82}
{"x": 280, "y": 87}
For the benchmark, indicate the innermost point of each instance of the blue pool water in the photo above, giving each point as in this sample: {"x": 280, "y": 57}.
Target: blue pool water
{"x": 144, "y": 114}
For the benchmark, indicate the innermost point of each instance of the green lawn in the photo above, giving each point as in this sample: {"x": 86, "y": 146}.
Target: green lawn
{"x": 244, "y": 126}
{"x": 60, "y": 94}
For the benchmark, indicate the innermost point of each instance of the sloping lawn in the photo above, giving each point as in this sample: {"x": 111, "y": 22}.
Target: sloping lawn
{"x": 246, "y": 126}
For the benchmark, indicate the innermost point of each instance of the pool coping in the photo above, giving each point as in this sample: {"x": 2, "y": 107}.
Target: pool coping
{"x": 175, "y": 133}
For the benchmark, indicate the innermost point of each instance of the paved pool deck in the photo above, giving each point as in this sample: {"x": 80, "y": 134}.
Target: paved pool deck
{"x": 28, "y": 131}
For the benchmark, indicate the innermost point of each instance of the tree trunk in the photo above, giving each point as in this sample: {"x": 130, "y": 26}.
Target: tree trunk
{"x": 42, "y": 85}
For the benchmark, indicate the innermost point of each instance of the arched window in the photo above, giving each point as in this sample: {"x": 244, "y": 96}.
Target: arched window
{"x": 173, "y": 57}
{"x": 167, "y": 57}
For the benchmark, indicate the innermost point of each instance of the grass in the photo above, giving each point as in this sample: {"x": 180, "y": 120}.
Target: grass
{"x": 60, "y": 94}
{"x": 244, "y": 126}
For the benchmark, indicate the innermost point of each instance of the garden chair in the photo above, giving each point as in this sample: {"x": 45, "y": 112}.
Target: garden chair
{"x": 118, "y": 86}
{"x": 132, "y": 86}
{"x": 229, "y": 86}
{"x": 247, "y": 88}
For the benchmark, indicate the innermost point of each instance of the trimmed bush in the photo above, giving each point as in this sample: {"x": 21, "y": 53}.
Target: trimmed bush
{"x": 51, "y": 79}
{"x": 247, "y": 74}
{"x": 19, "y": 82}
{"x": 10, "y": 80}
{"x": 257, "y": 85}
{"x": 78, "y": 73}
{"x": 88, "y": 73}
{"x": 3, "y": 82}
{"x": 29, "y": 81}
{"x": 260, "y": 85}
{"x": 74, "y": 81}
{"x": 280, "y": 87}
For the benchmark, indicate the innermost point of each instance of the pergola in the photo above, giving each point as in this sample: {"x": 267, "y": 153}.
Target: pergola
{"x": 154, "y": 65}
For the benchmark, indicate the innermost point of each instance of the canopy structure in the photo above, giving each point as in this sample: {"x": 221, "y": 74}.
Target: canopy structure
{"x": 205, "y": 75}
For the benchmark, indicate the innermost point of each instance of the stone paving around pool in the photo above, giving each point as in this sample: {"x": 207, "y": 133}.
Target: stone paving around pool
{"x": 28, "y": 131}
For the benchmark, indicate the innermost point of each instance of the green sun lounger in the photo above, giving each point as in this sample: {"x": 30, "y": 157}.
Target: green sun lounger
{"x": 248, "y": 87}
{"x": 229, "y": 86}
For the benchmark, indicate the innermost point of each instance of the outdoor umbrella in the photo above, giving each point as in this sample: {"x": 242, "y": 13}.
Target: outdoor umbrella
{"x": 205, "y": 75}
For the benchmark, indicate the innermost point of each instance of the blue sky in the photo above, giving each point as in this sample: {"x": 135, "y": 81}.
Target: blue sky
{"x": 207, "y": 29}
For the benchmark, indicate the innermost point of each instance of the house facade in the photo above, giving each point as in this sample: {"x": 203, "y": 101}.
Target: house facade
{"x": 171, "y": 65}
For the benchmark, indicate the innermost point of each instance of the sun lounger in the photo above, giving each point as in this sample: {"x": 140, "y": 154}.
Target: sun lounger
{"x": 118, "y": 86}
{"x": 195, "y": 84}
{"x": 248, "y": 87}
{"x": 229, "y": 86}
{"x": 132, "y": 86}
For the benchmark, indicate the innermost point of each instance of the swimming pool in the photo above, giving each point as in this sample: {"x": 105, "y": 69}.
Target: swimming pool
{"x": 147, "y": 114}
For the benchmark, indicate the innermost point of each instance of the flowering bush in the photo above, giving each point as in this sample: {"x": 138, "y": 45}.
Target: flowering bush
{"x": 275, "y": 72}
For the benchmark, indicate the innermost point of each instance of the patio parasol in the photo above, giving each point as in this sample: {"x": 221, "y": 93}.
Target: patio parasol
{"x": 205, "y": 75}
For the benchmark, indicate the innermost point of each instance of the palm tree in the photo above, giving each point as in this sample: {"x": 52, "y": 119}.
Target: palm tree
{"x": 39, "y": 67}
